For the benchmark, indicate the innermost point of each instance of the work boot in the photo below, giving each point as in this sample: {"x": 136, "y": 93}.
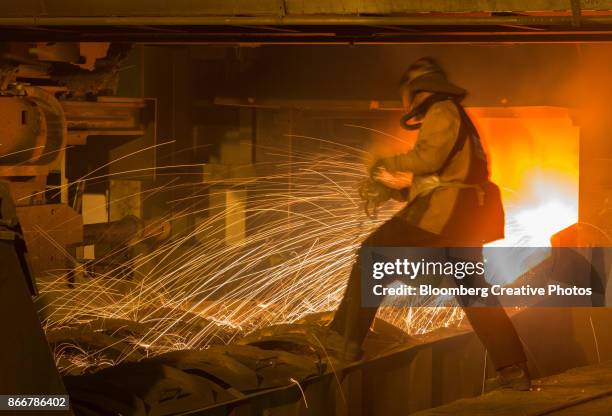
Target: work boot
{"x": 515, "y": 377}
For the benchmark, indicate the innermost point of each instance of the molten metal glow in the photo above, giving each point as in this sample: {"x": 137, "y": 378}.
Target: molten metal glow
{"x": 544, "y": 206}
{"x": 546, "y": 219}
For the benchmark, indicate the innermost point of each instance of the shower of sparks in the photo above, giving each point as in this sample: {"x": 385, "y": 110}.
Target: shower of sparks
{"x": 197, "y": 290}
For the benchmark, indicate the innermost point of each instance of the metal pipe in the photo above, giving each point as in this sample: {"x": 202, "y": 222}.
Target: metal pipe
{"x": 118, "y": 232}
{"x": 304, "y": 20}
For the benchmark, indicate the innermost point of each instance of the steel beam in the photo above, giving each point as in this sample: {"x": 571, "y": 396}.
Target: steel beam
{"x": 79, "y": 8}
{"x": 306, "y": 20}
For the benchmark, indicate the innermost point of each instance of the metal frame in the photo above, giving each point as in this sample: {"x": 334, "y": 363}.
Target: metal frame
{"x": 322, "y": 21}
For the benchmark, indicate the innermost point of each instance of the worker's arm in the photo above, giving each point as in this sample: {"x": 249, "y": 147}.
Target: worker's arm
{"x": 437, "y": 136}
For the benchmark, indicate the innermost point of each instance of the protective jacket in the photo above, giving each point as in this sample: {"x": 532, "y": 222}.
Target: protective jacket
{"x": 451, "y": 193}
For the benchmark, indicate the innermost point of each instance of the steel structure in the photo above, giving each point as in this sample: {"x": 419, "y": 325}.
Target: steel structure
{"x": 321, "y": 21}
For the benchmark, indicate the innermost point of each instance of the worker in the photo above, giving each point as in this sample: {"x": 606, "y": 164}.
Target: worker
{"x": 450, "y": 203}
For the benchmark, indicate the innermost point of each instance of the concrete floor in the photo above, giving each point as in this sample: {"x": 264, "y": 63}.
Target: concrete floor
{"x": 580, "y": 391}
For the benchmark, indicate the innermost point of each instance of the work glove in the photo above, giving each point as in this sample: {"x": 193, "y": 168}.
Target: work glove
{"x": 379, "y": 163}
{"x": 373, "y": 194}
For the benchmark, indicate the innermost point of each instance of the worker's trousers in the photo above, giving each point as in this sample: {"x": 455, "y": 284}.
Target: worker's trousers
{"x": 491, "y": 324}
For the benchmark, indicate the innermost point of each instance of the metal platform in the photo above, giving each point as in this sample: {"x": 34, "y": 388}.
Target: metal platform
{"x": 277, "y": 374}
{"x": 581, "y": 391}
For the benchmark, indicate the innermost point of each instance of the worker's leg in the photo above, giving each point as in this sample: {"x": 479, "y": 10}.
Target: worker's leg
{"x": 351, "y": 319}
{"x": 489, "y": 321}
{"x": 497, "y": 334}
{"x": 492, "y": 325}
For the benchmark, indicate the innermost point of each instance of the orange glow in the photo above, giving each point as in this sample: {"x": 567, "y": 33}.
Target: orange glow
{"x": 533, "y": 156}
{"x": 534, "y": 159}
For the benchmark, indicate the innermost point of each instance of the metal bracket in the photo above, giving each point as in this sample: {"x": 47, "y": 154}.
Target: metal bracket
{"x": 7, "y": 235}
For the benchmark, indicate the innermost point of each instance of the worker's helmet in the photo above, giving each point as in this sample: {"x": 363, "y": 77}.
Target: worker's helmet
{"x": 426, "y": 75}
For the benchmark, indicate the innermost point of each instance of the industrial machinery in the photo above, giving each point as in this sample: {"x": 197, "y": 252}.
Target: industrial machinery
{"x": 52, "y": 98}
